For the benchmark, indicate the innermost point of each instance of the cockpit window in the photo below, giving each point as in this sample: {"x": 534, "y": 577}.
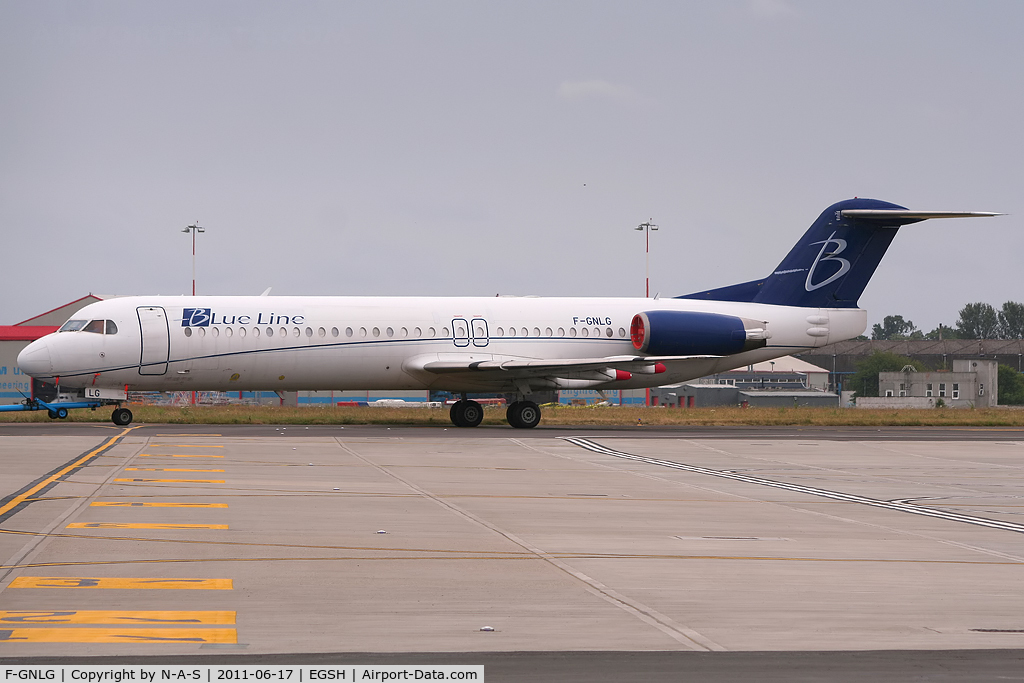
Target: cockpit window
{"x": 111, "y": 327}
{"x": 73, "y": 325}
{"x": 94, "y": 326}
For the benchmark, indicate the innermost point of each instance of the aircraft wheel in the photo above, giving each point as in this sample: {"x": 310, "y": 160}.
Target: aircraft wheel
{"x": 466, "y": 414}
{"x": 456, "y": 413}
{"x": 524, "y": 414}
{"x": 512, "y": 414}
{"x": 62, "y": 413}
{"x": 472, "y": 414}
{"x": 122, "y": 417}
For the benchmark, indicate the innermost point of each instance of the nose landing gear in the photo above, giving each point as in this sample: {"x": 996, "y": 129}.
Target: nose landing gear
{"x": 122, "y": 417}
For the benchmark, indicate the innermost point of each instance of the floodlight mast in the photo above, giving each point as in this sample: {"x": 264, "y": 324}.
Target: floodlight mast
{"x": 194, "y": 229}
{"x": 647, "y": 227}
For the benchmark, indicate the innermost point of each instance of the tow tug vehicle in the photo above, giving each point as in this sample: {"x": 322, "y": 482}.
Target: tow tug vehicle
{"x": 94, "y": 398}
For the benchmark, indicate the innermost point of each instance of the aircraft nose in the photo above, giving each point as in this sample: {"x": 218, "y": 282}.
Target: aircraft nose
{"x": 34, "y": 360}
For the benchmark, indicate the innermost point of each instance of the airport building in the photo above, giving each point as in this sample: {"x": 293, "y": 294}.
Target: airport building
{"x": 785, "y": 382}
{"x": 973, "y": 383}
{"x": 841, "y": 358}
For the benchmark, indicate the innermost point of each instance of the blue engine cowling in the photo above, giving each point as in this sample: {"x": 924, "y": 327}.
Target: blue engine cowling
{"x": 690, "y": 333}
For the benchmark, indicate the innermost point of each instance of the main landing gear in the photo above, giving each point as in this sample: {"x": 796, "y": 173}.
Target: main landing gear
{"x": 523, "y": 414}
{"x": 520, "y": 414}
{"x": 122, "y": 417}
{"x": 466, "y": 413}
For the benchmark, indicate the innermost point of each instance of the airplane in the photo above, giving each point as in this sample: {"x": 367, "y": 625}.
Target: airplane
{"x": 518, "y": 345}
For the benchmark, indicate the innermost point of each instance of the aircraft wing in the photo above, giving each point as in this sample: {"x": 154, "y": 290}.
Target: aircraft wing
{"x": 562, "y": 372}
{"x": 637, "y": 364}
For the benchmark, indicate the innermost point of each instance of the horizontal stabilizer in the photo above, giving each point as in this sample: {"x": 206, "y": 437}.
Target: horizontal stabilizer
{"x": 903, "y": 216}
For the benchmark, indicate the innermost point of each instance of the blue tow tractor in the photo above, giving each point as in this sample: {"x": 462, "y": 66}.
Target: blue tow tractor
{"x": 94, "y": 398}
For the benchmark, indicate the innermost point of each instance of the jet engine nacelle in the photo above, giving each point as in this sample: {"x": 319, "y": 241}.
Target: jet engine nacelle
{"x": 691, "y": 333}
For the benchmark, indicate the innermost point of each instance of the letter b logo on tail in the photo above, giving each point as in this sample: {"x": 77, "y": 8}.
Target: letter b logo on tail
{"x": 844, "y": 265}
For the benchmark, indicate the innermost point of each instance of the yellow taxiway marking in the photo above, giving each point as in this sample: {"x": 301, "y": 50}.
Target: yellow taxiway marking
{"x": 141, "y": 525}
{"x": 119, "y": 635}
{"x": 178, "y": 481}
{"x": 140, "y": 618}
{"x": 181, "y": 445}
{"x": 176, "y": 455}
{"x": 133, "y": 504}
{"x": 166, "y": 469}
{"x": 175, "y": 436}
{"x": 22, "y": 497}
{"x": 117, "y": 582}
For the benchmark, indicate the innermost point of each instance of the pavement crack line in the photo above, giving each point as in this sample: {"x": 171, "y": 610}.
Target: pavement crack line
{"x": 678, "y": 632}
{"x": 798, "y": 488}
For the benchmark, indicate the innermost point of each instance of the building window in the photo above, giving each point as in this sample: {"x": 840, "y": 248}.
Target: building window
{"x": 942, "y": 390}
{"x": 888, "y": 392}
{"x": 928, "y": 390}
{"x": 981, "y": 390}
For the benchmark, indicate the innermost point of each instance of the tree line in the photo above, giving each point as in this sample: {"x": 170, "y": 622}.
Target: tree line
{"x": 977, "y": 321}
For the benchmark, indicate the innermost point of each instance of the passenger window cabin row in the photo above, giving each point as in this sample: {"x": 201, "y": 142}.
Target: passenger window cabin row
{"x": 108, "y": 327}
{"x": 400, "y": 333}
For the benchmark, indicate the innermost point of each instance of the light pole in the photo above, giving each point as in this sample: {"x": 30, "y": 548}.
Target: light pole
{"x": 647, "y": 227}
{"x": 194, "y": 229}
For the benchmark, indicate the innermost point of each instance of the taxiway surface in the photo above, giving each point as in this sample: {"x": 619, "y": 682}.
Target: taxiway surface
{"x": 259, "y": 541}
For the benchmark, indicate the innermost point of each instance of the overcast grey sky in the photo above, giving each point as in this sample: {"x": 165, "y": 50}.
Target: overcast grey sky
{"x": 485, "y": 147}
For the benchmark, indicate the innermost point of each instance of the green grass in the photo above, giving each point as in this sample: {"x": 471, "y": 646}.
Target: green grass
{"x": 553, "y": 415}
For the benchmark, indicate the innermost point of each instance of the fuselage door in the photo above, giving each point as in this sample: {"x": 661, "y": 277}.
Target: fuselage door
{"x": 156, "y": 340}
{"x": 460, "y": 332}
{"x": 480, "y": 334}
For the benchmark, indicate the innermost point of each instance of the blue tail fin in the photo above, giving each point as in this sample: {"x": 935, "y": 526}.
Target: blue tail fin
{"x": 831, "y": 264}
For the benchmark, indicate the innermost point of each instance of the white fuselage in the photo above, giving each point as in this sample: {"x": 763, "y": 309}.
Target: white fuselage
{"x": 311, "y": 343}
